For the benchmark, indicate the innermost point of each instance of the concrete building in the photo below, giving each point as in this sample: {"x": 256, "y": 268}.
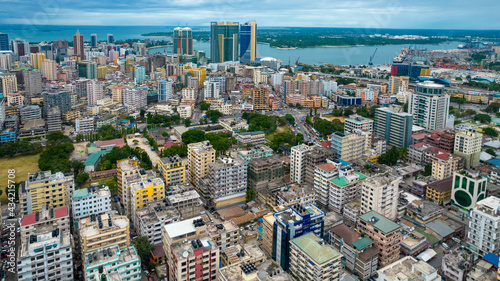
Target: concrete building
{"x": 143, "y": 190}
{"x": 225, "y": 42}
{"x": 102, "y": 231}
{"x": 360, "y": 253}
{"x": 394, "y": 125}
{"x": 254, "y": 138}
{"x": 349, "y": 147}
{"x": 189, "y": 93}
{"x": 172, "y": 169}
{"x": 343, "y": 190}
{"x": 380, "y": 194}
{"x": 291, "y": 223}
{"x": 90, "y": 200}
{"x": 8, "y": 83}
{"x": 135, "y": 98}
{"x": 47, "y": 255}
{"x": 211, "y": 89}
{"x": 32, "y": 193}
{"x": 260, "y": 98}
{"x": 262, "y": 173}
{"x": 456, "y": 263}
{"x": 151, "y": 219}
{"x": 408, "y": 268}
{"x": 29, "y": 112}
{"x": 54, "y": 120}
{"x": 226, "y": 182}
{"x": 323, "y": 173}
{"x": 468, "y": 188}
{"x": 398, "y": 84}
{"x": 200, "y": 155}
{"x": 468, "y": 146}
{"x": 316, "y": 156}
{"x": 49, "y": 70}
{"x": 185, "y": 111}
{"x": 311, "y": 259}
{"x": 112, "y": 263}
{"x": 295, "y": 195}
{"x": 484, "y": 225}
{"x": 125, "y": 169}
{"x": 94, "y": 92}
{"x": 297, "y": 166}
{"x": 440, "y": 191}
{"x": 444, "y": 165}
{"x": 32, "y": 82}
{"x": 254, "y": 152}
{"x": 84, "y": 125}
{"x": 45, "y": 219}
{"x": 356, "y": 122}
{"x": 384, "y": 233}
{"x": 429, "y": 106}
{"x": 166, "y": 90}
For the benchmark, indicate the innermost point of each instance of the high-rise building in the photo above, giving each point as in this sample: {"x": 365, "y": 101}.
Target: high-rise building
{"x": 484, "y": 225}
{"x": 385, "y": 233}
{"x": 54, "y": 120}
{"x": 59, "y": 99}
{"x": 165, "y": 90}
{"x": 112, "y": 263}
{"x": 356, "y": 122}
{"x": 297, "y": 163}
{"x": 4, "y": 41}
{"x": 135, "y": 98}
{"x": 101, "y": 231}
{"x": 468, "y": 146}
{"x": 147, "y": 188}
{"x": 394, "y": 126}
{"x": 84, "y": 125}
{"x": 468, "y": 188}
{"x": 343, "y": 190}
{"x": 172, "y": 169}
{"x": 398, "y": 84}
{"x": 200, "y": 155}
{"x": 138, "y": 73}
{"x": 323, "y": 174}
{"x": 32, "y": 193}
{"x": 248, "y": 41}
{"x": 293, "y": 222}
{"x": 90, "y": 200}
{"x": 189, "y": 93}
{"x": 93, "y": 40}
{"x": 263, "y": 172}
{"x": 87, "y": 69}
{"x": 46, "y": 255}
{"x": 349, "y": 147}
{"x": 182, "y": 41}
{"x": 311, "y": 259}
{"x": 260, "y": 98}
{"x": 429, "y": 106}
{"x": 317, "y": 155}
{"x": 212, "y": 89}
{"x": 381, "y": 194}
{"x": 224, "y": 41}
{"x": 151, "y": 219}
{"x": 47, "y": 218}
{"x": 29, "y": 112}
{"x": 36, "y": 60}
{"x": 32, "y": 82}
{"x": 110, "y": 38}
{"x": 9, "y": 83}
{"x": 5, "y": 60}
{"x": 49, "y": 70}
{"x": 94, "y": 92}
{"x": 444, "y": 164}
{"x": 117, "y": 93}
{"x": 20, "y": 48}
{"x": 125, "y": 169}
{"x": 78, "y": 47}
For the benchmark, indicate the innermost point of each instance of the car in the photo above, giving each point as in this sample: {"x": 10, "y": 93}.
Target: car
{"x": 150, "y": 278}
{"x": 18, "y": 229}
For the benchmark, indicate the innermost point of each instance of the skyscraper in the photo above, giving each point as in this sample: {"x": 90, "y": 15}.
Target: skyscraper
{"x": 394, "y": 126}
{"x": 49, "y": 70}
{"x": 32, "y": 82}
{"x": 20, "y": 47}
{"x": 224, "y": 41}
{"x": 248, "y": 42}
{"x": 4, "y": 41}
{"x": 165, "y": 90}
{"x": 429, "y": 106}
{"x": 93, "y": 40}
{"x": 36, "y": 60}
{"x": 111, "y": 39}
{"x": 183, "y": 41}
{"x": 87, "y": 69}
{"x": 78, "y": 48}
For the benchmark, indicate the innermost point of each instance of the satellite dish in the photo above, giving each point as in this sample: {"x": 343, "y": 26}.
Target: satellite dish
{"x": 185, "y": 254}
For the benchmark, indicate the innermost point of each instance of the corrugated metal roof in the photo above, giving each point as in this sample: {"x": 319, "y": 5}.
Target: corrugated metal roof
{"x": 309, "y": 243}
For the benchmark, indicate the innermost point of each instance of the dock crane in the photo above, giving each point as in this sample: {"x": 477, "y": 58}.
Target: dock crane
{"x": 372, "y": 56}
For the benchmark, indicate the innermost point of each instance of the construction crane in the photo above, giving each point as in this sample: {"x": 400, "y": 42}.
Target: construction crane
{"x": 371, "y": 58}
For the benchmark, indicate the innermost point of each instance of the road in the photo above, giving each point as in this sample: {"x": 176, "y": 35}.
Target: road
{"x": 152, "y": 154}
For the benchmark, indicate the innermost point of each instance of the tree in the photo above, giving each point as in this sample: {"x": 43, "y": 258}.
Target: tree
{"x": 493, "y": 107}
{"x": 204, "y": 106}
{"x": 290, "y": 118}
{"x": 458, "y": 78}
{"x": 55, "y": 157}
{"x": 81, "y": 178}
{"x": 250, "y": 195}
{"x": 214, "y": 115}
{"x": 491, "y": 152}
{"x": 187, "y": 122}
{"x": 483, "y": 118}
{"x": 427, "y": 170}
{"x": 490, "y": 132}
{"x": 193, "y": 136}
{"x": 144, "y": 248}
{"x": 136, "y": 142}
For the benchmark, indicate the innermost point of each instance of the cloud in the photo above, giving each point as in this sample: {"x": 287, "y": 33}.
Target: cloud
{"x": 433, "y": 14}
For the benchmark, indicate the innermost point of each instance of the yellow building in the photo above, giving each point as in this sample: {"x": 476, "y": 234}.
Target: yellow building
{"x": 102, "y": 71}
{"x": 93, "y": 110}
{"x": 199, "y": 156}
{"x": 216, "y": 102}
{"x": 9, "y": 83}
{"x": 125, "y": 167}
{"x": 148, "y": 189}
{"x": 260, "y": 98}
{"x": 117, "y": 93}
{"x": 197, "y": 72}
{"x": 267, "y": 234}
{"x": 443, "y": 165}
{"x": 45, "y": 188}
{"x": 425, "y": 72}
{"x": 38, "y": 101}
{"x": 440, "y": 191}
{"x": 37, "y": 60}
{"x": 173, "y": 170}
{"x": 476, "y": 98}
{"x": 398, "y": 84}
{"x": 102, "y": 231}
{"x": 70, "y": 115}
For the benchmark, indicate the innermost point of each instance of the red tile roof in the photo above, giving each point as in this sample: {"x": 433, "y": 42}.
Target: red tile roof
{"x": 348, "y": 234}
{"x": 445, "y": 156}
{"x": 326, "y": 166}
{"x": 28, "y": 219}
{"x": 158, "y": 251}
{"x": 326, "y": 144}
{"x": 169, "y": 144}
{"x": 420, "y": 144}
{"x": 61, "y": 212}
{"x": 116, "y": 142}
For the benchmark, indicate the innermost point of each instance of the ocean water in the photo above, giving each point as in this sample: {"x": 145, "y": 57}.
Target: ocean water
{"x": 314, "y": 55}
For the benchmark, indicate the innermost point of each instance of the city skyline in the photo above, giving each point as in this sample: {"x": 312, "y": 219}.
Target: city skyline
{"x": 356, "y": 14}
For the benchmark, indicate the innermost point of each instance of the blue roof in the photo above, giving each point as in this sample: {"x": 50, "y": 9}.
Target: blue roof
{"x": 495, "y": 162}
{"x": 491, "y": 258}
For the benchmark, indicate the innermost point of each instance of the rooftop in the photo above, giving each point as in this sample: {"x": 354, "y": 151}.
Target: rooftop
{"x": 442, "y": 185}
{"x": 181, "y": 228}
{"x": 348, "y": 180}
{"x": 408, "y": 268}
{"x": 44, "y": 215}
{"x": 380, "y": 222}
{"x": 297, "y": 212}
{"x": 314, "y": 247}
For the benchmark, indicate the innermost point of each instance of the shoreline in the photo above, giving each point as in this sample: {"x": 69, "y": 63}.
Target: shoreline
{"x": 159, "y": 46}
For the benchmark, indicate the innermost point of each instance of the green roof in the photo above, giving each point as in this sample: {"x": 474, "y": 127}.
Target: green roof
{"x": 342, "y": 181}
{"x": 382, "y": 223}
{"x": 360, "y": 244}
{"x": 309, "y": 243}
{"x": 94, "y": 157}
{"x": 80, "y": 193}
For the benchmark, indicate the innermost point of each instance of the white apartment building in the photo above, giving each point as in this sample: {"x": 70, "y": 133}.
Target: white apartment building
{"x": 49, "y": 70}
{"x": 84, "y": 125}
{"x": 468, "y": 145}
{"x": 297, "y": 166}
{"x": 46, "y": 256}
{"x": 114, "y": 263}
{"x": 408, "y": 268}
{"x": 484, "y": 227}
{"x": 343, "y": 190}
{"x": 135, "y": 98}
{"x": 189, "y": 93}
{"x": 322, "y": 175}
{"x": 380, "y": 194}
{"x": 150, "y": 220}
{"x": 211, "y": 89}
{"x": 185, "y": 111}
{"x": 90, "y": 200}
{"x": 429, "y": 106}
{"x": 94, "y": 92}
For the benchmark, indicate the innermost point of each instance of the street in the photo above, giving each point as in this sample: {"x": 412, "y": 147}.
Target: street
{"x": 152, "y": 154}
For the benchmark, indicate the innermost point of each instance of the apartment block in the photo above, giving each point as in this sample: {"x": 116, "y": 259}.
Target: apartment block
{"x": 224, "y": 235}
{"x": 150, "y": 220}
{"x": 311, "y": 259}
{"x": 45, "y": 220}
{"x": 429, "y": 106}
{"x": 468, "y": 146}
{"x": 254, "y": 138}
{"x": 172, "y": 169}
{"x": 384, "y": 233}
{"x": 84, "y": 125}
{"x": 200, "y": 155}
{"x": 440, "y": 191}
{"x": 484, "y": 227}
{"x": 316, "y": 156}
{"x": 394, "y": 125}
{"x": 343, "y": 190}
{"x": 54, "y": 120}
{"x": 323, "y": 174}
{"x": 90, "y": 200}
{"x": 468, "y": 188}
{"x": 125, "y": 168}
{"x": 444, "y": 164}
{"x": 188, "y": 203}
{"x": 380, "y": 194}
{"x": 47, "y": 255}
{"x": 349, "y": 147}
{"x": 112, "y": 263}
{"x": 297, "y": 162}
{"x": 260, "y": 97}
{"x": 356, "y": 122}
{"x": 263, "y": 171}
{"x": 147, "y": 189}
{"x": 295, "y": 195}
{"x": 360, "y": 254}
{"x": 408, "y": 268}
{"x": 254, "y": 152}
{"x": 45, "y": 188}
{"x": 101, "y": 231}
{"x": 398, "y": 84}
{"x": 30, "y": 112}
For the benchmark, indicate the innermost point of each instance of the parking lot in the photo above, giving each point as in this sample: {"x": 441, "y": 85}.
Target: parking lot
{"x": 152, "y": 154}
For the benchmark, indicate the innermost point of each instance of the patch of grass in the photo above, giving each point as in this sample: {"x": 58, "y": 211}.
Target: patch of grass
{"x": 22, "y": 164}
{"x": 100, "y": 181}
{"x": 429, "y": 237}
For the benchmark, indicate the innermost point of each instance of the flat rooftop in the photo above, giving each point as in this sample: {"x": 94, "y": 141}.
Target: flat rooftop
{"x": 181, "y": 228}
{"x": 379, "y": 222}
{"x": 296, "y": 213}
{"x": 313, "y": 247}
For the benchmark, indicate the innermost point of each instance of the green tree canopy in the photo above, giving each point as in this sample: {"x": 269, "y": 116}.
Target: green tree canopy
{"x": 144, "y": 248}
{"x": 483, "y": 118}
{"x": 490, "y": 132}
{"x": 193, "y": 136}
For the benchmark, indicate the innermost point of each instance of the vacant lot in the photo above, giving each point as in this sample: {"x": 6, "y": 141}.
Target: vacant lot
{"x": 22, "y": 165}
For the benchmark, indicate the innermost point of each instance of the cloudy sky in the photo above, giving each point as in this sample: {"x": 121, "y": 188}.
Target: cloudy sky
{"x": 426, "y": 14}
